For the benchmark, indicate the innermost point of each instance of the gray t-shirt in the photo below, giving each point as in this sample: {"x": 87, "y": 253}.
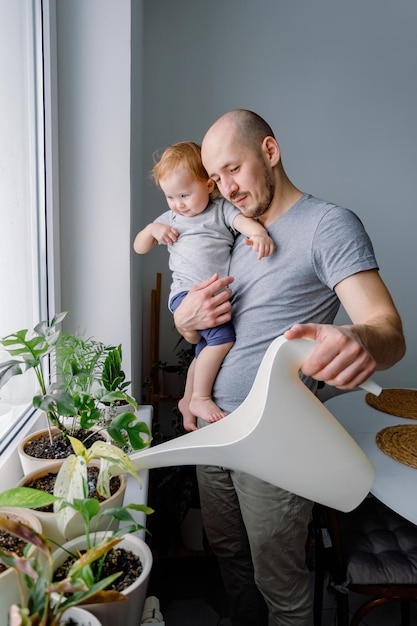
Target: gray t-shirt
{"x": 318, "y": 244}
{"x": 204, "y": 245}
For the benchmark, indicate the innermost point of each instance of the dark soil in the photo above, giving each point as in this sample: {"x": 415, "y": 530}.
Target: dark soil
{"x": 46, "y": 483}
{"x": 42, "y": 448}
{"x": 10, "y": 543}
{"x": 116, "y": 560}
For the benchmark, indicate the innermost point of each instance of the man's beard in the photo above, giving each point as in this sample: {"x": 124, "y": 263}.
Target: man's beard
{"x": 265, "y": 202}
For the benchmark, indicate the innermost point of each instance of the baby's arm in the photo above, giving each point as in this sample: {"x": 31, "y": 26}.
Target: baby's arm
{"x": 152, "y": 234}
{"x": 256, "y": 235}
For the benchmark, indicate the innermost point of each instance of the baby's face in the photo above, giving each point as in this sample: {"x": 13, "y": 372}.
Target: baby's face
{"x": 184, "y": 194}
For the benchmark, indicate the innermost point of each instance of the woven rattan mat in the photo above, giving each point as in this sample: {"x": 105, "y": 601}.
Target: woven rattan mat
{"x": 399, "y": 402}
{"x": 400, "y": 443}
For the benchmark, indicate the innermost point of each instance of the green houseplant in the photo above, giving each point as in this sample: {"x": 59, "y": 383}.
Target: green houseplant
{"x": 46, "y": 601}
{"x": 44, "y": 597}
{"x": 87, "y": 572}
{"x": 87, "y": 373}
{"x": 98, "y": 527}
{"x": 113, "y": 380}
{"x": 71, "y": 484}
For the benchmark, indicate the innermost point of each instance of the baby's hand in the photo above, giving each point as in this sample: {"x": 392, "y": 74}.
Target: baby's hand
{"x": 164, "y": 234}
{"x": 262, "y": 244}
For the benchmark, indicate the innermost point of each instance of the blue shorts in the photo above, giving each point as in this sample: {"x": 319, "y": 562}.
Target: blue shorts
{"x": 225, "y": 333}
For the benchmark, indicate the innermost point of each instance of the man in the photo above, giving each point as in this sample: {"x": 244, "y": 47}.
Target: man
{"x": 323, "y": 257}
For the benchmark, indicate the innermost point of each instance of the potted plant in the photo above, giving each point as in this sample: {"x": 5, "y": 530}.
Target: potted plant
{"x": 79, "y": 361}
{"x": 9, "y": 590}
{"x": 118, "y": 405}
{"x": 132, "y": 556}
{"x": 71, "y": 480}
{"x": 110, "y": 613}
{"x": 102, "y": 554}
{"x": 91, "y": 367}
{"x": 70, "y": 403}
{"x": 42, "y": 601}
{"x": 45, "y": 478}
{"x": 113, "y": 389}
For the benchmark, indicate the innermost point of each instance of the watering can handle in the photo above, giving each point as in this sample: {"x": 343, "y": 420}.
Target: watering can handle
{"x": 372, "y": 387}
{"x": 297, "y": 350}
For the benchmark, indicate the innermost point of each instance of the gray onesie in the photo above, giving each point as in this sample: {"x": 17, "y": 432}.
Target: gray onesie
{"x": 204, "y": 244}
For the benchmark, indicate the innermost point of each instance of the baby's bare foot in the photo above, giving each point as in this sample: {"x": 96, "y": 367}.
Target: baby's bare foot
{"x": 189, "y": 420}
{"x": 206, "y": 409}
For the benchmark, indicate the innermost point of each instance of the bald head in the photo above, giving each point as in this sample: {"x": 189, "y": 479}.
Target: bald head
{"x": 242, "y": 156}
{"x": 245, "y": 127}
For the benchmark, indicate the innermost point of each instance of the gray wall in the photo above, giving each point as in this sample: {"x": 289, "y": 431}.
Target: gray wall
{"x": 337, "y": 82}
{"x": 94, "y": 129}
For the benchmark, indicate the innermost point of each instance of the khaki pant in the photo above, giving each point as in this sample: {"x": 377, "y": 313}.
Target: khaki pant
{"x": 258, "y": 534}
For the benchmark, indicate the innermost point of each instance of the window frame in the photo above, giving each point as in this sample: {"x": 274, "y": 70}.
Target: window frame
{"x": 41, "y": 33}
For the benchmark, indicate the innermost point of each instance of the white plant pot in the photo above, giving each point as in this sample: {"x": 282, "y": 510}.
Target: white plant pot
{"x": 80, "y": 616}
{"x": 125, "y": 613}
{"x": 31, "y": 463}
{"x": 9, "y": 591}
{"x": 75, "y": 527}
{"x": 108, "y": 412}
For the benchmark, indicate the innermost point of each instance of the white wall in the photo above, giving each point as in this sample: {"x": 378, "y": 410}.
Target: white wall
{"x": 137, "y": 177}
{"x": 337, "y": 82}
{"x": 93, "y": 43}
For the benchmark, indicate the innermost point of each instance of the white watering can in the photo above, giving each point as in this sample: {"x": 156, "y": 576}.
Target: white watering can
{"x": 281, "y": 433}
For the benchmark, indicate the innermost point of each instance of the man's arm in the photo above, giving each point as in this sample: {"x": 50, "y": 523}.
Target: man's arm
{"x": 206, "y": 305}
{"x": 349, "y": 354}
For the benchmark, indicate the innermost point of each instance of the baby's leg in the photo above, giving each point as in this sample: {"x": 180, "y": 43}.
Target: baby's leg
{"x": 189, "y": 420}
{"x": 206, "y": 368}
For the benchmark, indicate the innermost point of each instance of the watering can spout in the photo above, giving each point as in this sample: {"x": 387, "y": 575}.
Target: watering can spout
{"x": 282, "y": 434}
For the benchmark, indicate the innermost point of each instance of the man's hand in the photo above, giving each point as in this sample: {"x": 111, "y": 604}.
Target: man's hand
{"x": 340, "y": 359}
{"x": 348, "y": 355}
{"x": 206, "y": 305}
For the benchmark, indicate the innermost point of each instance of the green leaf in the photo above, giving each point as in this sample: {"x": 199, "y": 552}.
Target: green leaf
{"x": 26, "y": 497}
{"x": 58, "y": 317}
{"x": 129, "y": 423}
{"x": 79, "y": 448}
{"x": 103, "y": 479}
{"x": 122, "y": 514}
{"x": 140, "y": 507}
{"x": 112, "y": 454}
{"x": 79, "y": 598}
{"x": 8, "y": 369}
{"x": 70, "y": 484}
{"x": 118, "y": 460}
{"x": 64, "y": 403}
{"x": 88, "y": 508}
{"x": 115, "y": 396}
{"x": 60, "y": 402}
{"x": 93, "y": 554}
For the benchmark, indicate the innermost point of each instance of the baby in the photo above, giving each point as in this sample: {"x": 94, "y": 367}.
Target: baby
{"x": 199, "y": 230}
